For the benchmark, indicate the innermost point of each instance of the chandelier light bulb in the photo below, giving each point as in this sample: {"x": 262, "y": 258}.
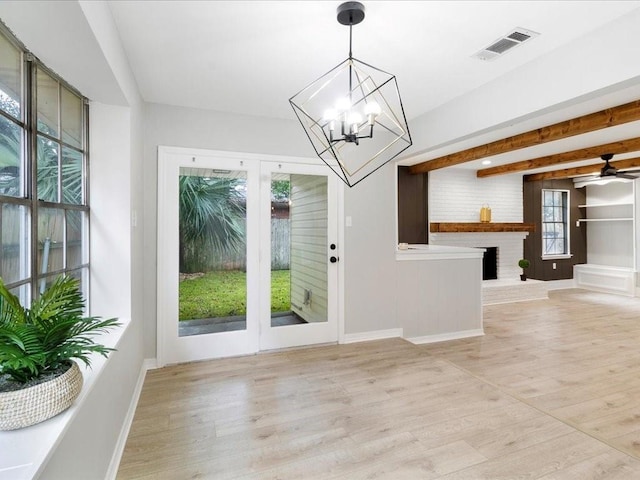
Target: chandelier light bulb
{"x": 343, "y": 105}
{"x": 372, "y": 110}
{"x": 330, "y": 114}
{"x": 354, "y": 121}
{"x": 330, "y": 117}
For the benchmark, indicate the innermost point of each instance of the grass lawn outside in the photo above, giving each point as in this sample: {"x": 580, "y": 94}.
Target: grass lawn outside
{"x": 223, "y": 294}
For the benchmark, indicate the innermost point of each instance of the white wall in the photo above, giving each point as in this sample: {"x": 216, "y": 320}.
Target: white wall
{"x": 369, "y": 254}
{"x": 110, "y": 202}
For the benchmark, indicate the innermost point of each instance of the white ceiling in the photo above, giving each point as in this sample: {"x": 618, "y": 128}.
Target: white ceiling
{"x": 249, "y": 57}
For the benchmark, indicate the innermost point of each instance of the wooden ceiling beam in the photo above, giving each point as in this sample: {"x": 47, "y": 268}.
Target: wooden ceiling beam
{"x": 609, "y": 117}
{"x": 584, "y": 170}
{"x": 623, "y": 146}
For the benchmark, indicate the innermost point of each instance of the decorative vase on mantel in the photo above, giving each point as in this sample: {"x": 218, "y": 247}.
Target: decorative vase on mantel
{"x": 485, "y": 214}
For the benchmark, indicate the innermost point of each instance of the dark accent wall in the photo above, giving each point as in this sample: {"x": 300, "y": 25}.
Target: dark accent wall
{"x": 532, "y": 205}
{"x": 412, "y": 207}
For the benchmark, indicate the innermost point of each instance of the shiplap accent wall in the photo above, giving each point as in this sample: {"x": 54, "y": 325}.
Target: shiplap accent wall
{"x": 309, "y": 248}
{"x": 456, "y": 195}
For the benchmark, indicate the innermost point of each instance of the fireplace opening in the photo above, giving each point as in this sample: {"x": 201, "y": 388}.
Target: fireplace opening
{"x": 490, "y": 263}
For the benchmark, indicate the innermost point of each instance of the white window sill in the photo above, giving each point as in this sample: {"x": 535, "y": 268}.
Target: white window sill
{"x": 27, "y": 450}
{"x": 557, "y": 257}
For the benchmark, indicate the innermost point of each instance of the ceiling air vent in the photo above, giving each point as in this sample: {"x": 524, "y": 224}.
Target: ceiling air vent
{"x": 502, "y": 45}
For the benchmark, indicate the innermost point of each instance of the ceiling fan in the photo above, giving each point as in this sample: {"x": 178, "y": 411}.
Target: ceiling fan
{"x": 608, "y": 173}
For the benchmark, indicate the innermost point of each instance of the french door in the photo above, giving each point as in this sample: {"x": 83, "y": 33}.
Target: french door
{"x": 247, "y": 254}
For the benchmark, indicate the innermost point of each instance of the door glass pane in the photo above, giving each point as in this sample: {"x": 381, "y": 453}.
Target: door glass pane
{"x": 212, "y": 251}
{"x": 48, "y": 104}
{"x": 15, "y": 243}
{"x": 10, "y": 78}
{"x": 298, "y": 249}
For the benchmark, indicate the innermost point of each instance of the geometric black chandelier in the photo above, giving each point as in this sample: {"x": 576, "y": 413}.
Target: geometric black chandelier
{"x": 353, "y": 114}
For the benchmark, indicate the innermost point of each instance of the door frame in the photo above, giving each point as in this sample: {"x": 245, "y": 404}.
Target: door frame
{"x": 163, "y": 280}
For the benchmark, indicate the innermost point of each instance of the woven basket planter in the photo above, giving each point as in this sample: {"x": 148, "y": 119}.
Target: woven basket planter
{"x": 21, "y": 408}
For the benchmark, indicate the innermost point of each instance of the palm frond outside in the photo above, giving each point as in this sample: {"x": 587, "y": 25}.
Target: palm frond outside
{"x": 212, "y": 215}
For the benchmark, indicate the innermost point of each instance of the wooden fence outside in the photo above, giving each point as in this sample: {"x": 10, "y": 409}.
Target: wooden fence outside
{"x": 211, "y": 260}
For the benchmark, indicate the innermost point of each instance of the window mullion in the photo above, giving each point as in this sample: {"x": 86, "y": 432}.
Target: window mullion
{"x": 32, "y": 164}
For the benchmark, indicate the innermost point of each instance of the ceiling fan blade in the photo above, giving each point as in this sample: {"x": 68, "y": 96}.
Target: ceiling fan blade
{"x": 626, "y": 175}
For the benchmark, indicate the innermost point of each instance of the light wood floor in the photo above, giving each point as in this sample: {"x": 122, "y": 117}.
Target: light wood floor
{"x": 552, "y": 391}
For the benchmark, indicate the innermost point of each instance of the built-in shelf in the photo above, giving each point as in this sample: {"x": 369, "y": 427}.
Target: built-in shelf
{"x": 623, "y": 219}
{"x": 624, "y": 204}
{"x": 450, "y": 227}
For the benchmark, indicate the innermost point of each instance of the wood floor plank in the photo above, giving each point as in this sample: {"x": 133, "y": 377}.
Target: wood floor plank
{"x": 549, "y": 392}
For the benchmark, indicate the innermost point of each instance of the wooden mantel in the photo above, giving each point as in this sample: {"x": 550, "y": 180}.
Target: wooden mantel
{"x": 440, "y": 227}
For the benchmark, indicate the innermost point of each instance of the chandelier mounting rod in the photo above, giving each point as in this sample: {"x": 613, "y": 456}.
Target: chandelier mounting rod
{"x": 350, "y": 13}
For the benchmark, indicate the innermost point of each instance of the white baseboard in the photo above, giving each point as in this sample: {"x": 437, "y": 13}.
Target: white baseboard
{"x": 147, "y": 364}
{"x": 602, "y": 278}
{"x": 150, "y": 364}
{"x": 443, "y": 337}
{"x": 373, "y": 335}
{"x": 561, "y": 284}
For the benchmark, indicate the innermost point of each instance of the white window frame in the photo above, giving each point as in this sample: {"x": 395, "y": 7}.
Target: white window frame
{"x": 567, "y": 205}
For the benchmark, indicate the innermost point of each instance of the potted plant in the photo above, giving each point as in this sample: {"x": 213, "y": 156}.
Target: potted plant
{"x": 523, "y": 263}
{"x": 38, "y": 378}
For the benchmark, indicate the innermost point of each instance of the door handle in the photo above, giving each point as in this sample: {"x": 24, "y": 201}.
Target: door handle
{"x": 333, "y": 259}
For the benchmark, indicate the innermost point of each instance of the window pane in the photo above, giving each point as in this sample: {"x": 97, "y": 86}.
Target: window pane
{"x": 547, "y": 197}
{"x": 10, "y": 78}
{"x": 15, "y": 243}
{"x": 11, "y": 171}
{"x": 48, "y": 107}
{"x": 82, "y": 274}
{"x": 50, "y": 235}
{"x": 71, "y": 118}
{"x": 47, "y": 169}
{"x": 557, "y": 214}
{"x": 71, "y": 176}
{"x": 75, "y": 238}
{"x": 23, "y": 292}
{"x": 45, "y": 282}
